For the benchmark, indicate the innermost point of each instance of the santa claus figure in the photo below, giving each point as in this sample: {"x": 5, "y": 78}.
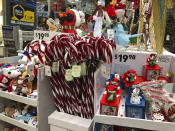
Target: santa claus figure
{"x": 120, "y": 9}
{"x": 71, "y": 19}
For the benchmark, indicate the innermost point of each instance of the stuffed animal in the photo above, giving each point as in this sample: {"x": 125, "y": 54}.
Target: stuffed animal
{"x": 21, "y": 88}
{"x": 9, "y": 111}
{"x": 8, "y": 74}
{"x": 120, "y": 9}
{"x": 120, "y": 38}
{"x": 99, "y": 15}
{"x": 71, "y": 19}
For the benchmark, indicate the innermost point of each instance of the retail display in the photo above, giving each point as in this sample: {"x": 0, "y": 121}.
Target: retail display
{"x": 135, "y": 104}
{"x": 97, "y": 76}
{"x": 109, "y": 103}
{"x": 87, "y": 57}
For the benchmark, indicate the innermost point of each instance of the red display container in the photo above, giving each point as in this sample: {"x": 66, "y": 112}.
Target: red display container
{"x": 151, "y": 72}
{"x": 110, "y": 107}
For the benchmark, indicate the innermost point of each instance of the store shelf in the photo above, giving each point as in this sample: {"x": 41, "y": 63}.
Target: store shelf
{"x": 25, "y": 100}
{"x": 17, "y": 123}
{"x": 135, "y": 123}
{"x": 121, "y": 120}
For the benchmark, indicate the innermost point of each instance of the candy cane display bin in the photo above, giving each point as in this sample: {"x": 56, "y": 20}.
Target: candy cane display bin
{"x": 74, "y": 96}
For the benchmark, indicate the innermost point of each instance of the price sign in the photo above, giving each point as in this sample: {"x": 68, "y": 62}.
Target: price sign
{"x": 125, "y": 57}
{"x": 123, "y": 61}
{"x": 76, "y": 71}
{"x": 110, "y": 33}
{"x": 44, "y": 35}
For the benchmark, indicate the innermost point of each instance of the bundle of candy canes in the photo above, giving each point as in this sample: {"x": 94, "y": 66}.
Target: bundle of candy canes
{"x": 74, "y": 97}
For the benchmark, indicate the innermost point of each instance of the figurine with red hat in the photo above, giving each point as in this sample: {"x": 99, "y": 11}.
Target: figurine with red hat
{"x": 111, "y": 97}
{"x": 152, "y": 60}
{"x": 71, "y": 19}
{"x": 152, "y": 70}
{"x": 112, "y": 89}
{"x": 120, "y": 9}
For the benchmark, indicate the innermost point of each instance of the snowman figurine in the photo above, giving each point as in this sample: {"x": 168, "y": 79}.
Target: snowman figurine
{"x": 135, "y": 97}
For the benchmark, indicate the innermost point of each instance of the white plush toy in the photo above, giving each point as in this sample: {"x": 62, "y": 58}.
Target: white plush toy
{"x": 8, "y": 74}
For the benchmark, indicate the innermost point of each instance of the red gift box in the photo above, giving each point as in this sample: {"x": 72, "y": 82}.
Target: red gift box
{"x": 151, "y": 72}
{"x": 110, "y": 107}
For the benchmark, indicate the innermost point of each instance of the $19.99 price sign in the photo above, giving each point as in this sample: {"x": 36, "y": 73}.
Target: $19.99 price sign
{"x": 124, "y": 57}
{"x": 44, "y": 35}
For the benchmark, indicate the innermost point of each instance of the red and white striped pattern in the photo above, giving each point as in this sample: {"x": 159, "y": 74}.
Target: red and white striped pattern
{"x": 75, "y": 97}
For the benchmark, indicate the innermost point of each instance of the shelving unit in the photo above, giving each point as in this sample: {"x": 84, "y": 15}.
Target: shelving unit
{"x": 25, "y": 100}
{"x": 44, "y": 102}
{"x": 17, "y": 123}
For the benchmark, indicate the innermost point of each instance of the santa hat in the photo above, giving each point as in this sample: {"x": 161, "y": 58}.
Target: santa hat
{"x": 77, "y": 16}
{"x": 70, "y": 18}
{"x": 119, "y": 5}
{"x": 153, "y": 54}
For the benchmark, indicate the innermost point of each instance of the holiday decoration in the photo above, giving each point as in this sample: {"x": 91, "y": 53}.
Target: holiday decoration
{"x": 158, "y": 24}
{"x": 8, "y": 74}
{"x": 152, "y": 70}
{"x": 130, "y": 78}
{"x": 98, "y": 17}
{"x": 110, "y": 8}
{"x": 71, "y": 19}
{"x": 170, "y": 111}
{"x": 135, "y": 104}
{"x": 76, "y": 96}
{"x": 120, "y": 38}
{"x": 110, "y": 100}
{"x": 152, "y": 60}
{"x": 120, "y": 9}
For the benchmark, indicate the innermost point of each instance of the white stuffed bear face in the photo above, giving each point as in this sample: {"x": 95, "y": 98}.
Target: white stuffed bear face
{"x": 11, "y": 72}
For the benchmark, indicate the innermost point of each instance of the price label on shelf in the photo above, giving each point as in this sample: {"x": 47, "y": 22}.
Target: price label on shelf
{"x": 44, "y": 35}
